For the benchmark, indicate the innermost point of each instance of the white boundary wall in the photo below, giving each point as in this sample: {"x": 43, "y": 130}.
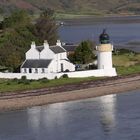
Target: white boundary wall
{"x": 76, "y": 74}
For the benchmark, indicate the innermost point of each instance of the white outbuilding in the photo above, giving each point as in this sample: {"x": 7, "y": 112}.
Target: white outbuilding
{"x": 46, "y": 59}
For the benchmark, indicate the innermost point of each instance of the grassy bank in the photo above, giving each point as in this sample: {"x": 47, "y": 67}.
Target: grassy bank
{"x": 19, "y": 85}
{"x": 127, "y": 63}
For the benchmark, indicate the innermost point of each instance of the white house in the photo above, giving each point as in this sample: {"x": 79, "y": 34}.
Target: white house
{"x": 46, "y": 59}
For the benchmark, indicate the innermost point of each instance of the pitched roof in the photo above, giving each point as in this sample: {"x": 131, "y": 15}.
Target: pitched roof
{"x": 55, "y": 49}
{"x": 70, "y": 48}
{"x": 41, "y": 63}
{"x": 40, "y": 48}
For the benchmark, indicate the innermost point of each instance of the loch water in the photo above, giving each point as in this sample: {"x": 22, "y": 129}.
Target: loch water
{"x": 111, "y": 117}
{"x": 120, "y": 33}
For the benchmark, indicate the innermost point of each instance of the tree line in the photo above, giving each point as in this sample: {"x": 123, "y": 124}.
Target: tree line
{"x": 18, "y": 30}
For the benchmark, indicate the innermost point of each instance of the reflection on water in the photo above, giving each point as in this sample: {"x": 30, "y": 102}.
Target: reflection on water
{"x": 111, "y": 117}
{"x": 108, "y": 112}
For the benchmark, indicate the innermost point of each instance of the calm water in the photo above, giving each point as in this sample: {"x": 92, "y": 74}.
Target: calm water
{"x": 119, "y": 33}
{"x": 103, "y": 118}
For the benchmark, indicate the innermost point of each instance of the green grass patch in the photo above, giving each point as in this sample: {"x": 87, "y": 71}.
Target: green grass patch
{"x": 128, "y": 70}
{"x": 128, "y": 59}
{"x": 16, "y": 85}
{"x": 127, "y": 63}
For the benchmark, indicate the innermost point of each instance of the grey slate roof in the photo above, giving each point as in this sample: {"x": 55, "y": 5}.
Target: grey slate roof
{"x": 40, "y": 48}
{"x": 70, "y": 48}
{"x": 55, "y": 49}
{"x": 41, "y": 63}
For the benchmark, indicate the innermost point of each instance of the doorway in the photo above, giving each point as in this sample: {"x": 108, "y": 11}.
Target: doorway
{"x": 62, "y": 67}
{"x": 30, "y": 70}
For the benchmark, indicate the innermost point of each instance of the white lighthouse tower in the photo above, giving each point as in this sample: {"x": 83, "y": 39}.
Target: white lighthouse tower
{"x": 104, "y": 54}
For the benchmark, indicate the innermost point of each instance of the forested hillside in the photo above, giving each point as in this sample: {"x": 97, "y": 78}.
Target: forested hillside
{"x": 95, "y": 7}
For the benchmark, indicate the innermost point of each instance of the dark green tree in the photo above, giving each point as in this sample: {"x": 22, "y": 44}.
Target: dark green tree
{"x": 16, "y": 19}
{"x": 18, "y": 31}
{"x": 15, "y": 39}
{"x": 46, "y": 28}
{"x": 84, "y": 53}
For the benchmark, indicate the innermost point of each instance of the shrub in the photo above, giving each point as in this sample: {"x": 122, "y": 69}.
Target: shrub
{"x": 23, "y": 78}
{"x": 44, "y": 80}
{"x": 55, "y": 77}
{"x": 65, "y": 76}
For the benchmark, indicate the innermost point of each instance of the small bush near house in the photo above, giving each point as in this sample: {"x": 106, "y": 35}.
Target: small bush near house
{"x": 23, "y": 80}
{"x": 65, "y": 76}
{"x": 55, "y": 77}
{"x": 44, "y": 80}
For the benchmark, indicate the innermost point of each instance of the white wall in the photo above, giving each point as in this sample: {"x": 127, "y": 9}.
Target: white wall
{"x": 67, "y": 65}
{"x": 55, "y": 66}
{"x": 28, "y": 76}
{"x": 33, "y": 52}
{"x": 104, "y": 60}
{"x": 46, "y": 53}
{"x": 89, "y": 73}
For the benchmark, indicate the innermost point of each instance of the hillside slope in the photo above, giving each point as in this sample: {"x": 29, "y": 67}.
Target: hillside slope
{"x": 95, "y": 7}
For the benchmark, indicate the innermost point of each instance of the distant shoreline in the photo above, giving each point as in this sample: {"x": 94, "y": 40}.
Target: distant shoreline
{"x": 104, "y": 19}
{"x": 56, "y": 95}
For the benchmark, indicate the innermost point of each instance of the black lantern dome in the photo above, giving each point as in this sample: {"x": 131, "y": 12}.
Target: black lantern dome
{"x": 104, "y": 38}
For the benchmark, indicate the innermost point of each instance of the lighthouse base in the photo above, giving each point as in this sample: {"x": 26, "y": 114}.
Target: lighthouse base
{"x": 110, "y": 72}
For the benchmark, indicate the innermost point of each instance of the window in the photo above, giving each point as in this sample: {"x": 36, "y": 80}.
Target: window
{"x": 36, "y": 70}
{"x": 30, "y": 70}
{"x": 62, "y": 67}
{"x": 25, "y": 70}
{"x": 43, "y": 70}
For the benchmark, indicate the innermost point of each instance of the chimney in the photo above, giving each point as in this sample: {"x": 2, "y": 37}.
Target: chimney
{"x": 58, "y": 43}
{"x": 33, "y": 46}
{"x": 46, "y": 45}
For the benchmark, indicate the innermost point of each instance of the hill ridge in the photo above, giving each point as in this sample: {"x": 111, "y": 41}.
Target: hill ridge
{"x": 93, "y": 7}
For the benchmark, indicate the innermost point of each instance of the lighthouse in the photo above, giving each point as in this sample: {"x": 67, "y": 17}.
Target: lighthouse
{"x": 104, "y": 54}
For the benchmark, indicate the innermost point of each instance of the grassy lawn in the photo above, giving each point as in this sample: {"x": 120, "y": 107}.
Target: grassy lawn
{"x": 16, "y": 85}
{"x": 128, "y": 70}
{"x": 127, "y": 63}
{"x": 126, "y": 60}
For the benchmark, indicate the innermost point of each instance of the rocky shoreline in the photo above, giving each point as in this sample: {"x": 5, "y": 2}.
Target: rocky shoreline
{"x": 24, "y": 99}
